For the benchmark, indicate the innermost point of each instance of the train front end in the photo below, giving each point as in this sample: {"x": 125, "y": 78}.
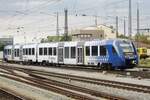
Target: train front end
{"x": 128, "y": 54}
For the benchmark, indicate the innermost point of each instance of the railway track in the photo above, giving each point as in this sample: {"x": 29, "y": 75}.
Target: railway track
{"x": 72, "y": 91}
{"x": 10, "y": 95}
{"x": 135, "y": 74}
{"x": 114, "y": 84}
{"x": 108, "y": 83}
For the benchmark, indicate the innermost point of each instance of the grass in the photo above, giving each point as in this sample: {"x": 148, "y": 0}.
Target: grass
{"x": 145, "y": 62}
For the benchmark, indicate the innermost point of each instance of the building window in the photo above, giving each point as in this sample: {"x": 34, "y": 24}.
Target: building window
{"x": 45, "y": 51}
{"x": 88, "y": 51}
{"x": 112, "y": 31}
{"x": 73, "y": 52}
{"x": 33, "y": 51}
{"x": 101, "y": 35}
{"x": 103, "y": 51}
{"x": 50, "y": 51}
{"x": 40, "y": 51}
{"x": 54, "y": 51}
{"x": 94, "y": 50}
{"x": 29, "y": 51}
{"x": 66, "y": 52}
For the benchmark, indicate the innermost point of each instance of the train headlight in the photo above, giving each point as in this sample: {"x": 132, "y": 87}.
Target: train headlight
{"x": 133, "y": 62}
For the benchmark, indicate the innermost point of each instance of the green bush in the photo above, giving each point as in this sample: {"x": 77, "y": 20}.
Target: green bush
{"x": 1, "y": 47}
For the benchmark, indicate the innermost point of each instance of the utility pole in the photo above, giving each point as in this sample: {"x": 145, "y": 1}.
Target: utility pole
{"x": 57, "y": 26}
{"x": 130, "y": 19}
{"x": 117, "y": 26}
{"x": 96, "y": 20}
{"x": 124, "y": 26}
{"x": 66, "y": 25}
{"x": 138, "y": 24}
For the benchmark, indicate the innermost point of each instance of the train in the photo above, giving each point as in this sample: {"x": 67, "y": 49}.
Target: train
{"x": 105, "y": 54}
{"x": 142, "y": 52}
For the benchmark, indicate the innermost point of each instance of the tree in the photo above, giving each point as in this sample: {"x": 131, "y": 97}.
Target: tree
{"x": 69, "y": 38}
{"x": 123, "y": 37}
{"x": 142, "y": 38}
{"x": 1, "y": 47}
{"x": 55, "y": 39}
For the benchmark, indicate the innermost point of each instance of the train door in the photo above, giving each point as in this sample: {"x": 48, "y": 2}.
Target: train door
{"x": 12, "y": 53}
{"x": 36, "y": 52}
{"x": 60, "y": 54}
{"x": 21, "y": 53}
{"x": 80, "y": 55}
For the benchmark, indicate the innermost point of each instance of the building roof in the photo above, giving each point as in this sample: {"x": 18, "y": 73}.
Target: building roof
{"x": 97, "y": 27}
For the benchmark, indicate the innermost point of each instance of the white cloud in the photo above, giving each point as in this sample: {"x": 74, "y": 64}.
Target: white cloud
{"x": 20, "y": 13}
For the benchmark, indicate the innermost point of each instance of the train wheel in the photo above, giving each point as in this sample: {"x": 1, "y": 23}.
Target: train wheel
{"x": 103, "y": 67}
{"x": 109, "y": 67}
{"x": 99, "y": 66}
{"x": 44, "y": 63}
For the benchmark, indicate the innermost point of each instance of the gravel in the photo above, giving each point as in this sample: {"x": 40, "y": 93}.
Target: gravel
{"x": 131, "y": 95}
{"x": 99, "y": 75}
{"x": 30, "y": 91}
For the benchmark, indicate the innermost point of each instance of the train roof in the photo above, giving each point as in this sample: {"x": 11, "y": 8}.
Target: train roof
{"x": 96, "y": 41}
{"x": 8, "y": 47}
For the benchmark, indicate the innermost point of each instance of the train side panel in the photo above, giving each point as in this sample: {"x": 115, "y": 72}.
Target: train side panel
{"x": 16, "y": 53}
{"x": 29, "y": 53}
{"x": 47, "y": 52}
{"x": 7, "y": 55}
{"x": 70, "y": 53}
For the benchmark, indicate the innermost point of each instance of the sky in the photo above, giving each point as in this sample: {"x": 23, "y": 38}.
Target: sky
{"x": 31, "y": 20}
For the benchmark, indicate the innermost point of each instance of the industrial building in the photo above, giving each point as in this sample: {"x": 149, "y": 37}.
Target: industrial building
{"x": 94, "y": 32}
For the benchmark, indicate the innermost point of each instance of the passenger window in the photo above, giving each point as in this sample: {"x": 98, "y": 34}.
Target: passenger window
{"x": 40, "y": 51}
{"x": 54, "y": 51}
{"x": 9, "y": 51}
{"x": 45, "y": 51}
{"x": 5, "y": 51}
{"x": 66, "y": 52}
{"x": 23, "y": 51}
{"x": 103, "y": 51}
{"x": 114, "y": 51}
{"x": 26, "y": 51}
{"x": 18, "y": 52}
{"x": 73, "y": 52}
{"x": 33, "y": 51}
{"x": 87, "y": 51}
{"x": 15, "y": 52}
{"x": 94, "y": 50}
{"x": 50, "y": 51}
{"x": 29, "y": 51}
